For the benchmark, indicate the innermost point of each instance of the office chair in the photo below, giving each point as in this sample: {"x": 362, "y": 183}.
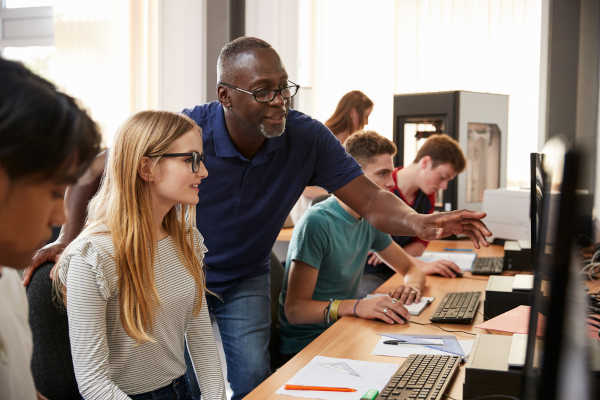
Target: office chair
{"x": 51, "y": 363}
{"x": 277, "y": 272}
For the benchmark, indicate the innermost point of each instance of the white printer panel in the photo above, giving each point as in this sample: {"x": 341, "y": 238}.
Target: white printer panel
{"x": 507, "y": 213}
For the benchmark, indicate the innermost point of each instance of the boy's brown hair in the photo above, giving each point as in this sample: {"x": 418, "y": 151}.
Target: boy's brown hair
{"x": 364, "y": 145}
{"x": 442, "y": 149}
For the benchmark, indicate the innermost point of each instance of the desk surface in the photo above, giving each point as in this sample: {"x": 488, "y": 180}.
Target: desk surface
{"x": 285, "y": 235}
{"x": 355, "y": 337}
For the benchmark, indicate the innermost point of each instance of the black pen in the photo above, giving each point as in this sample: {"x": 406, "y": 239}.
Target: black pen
{"x": 426, "y": 342}
{"x": 394, "y": 341}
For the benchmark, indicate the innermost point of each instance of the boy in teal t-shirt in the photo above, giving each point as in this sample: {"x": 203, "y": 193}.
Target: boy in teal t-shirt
{"x": 327, "y": 255}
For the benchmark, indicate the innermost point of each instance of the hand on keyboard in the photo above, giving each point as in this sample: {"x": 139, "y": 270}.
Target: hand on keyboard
{"x": 384, "y": 308}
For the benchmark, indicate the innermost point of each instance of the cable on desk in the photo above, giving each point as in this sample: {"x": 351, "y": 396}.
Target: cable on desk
{"x": 591, "y": 266}
{"x": 591, "y": 271}
{"x": 442, "y": 328}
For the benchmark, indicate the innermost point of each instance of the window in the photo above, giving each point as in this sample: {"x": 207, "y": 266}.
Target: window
{"x": 27, "y": 34}
{"x": 102, "y": 53}
{"x": 413, "y": 46}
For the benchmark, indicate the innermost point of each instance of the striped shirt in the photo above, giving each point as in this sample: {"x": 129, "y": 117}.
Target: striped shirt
{"x": 108, "y": 363}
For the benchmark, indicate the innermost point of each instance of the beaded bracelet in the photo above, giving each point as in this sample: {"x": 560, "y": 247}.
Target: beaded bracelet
{"x": 354, "y": 309}
{"x": 333, "y": 310}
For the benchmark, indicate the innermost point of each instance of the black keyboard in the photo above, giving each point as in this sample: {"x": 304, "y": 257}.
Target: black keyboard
{"x": 457, "y": 308}
{"x": 422, "y": 377}
{"x": 488, "y": 265}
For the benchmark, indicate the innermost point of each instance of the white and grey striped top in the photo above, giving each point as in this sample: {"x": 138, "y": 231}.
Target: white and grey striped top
{"x": 108, "y": 363}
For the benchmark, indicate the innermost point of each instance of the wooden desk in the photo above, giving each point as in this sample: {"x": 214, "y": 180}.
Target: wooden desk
{"x": 285, "y": 235}
{"x": 355, "y": 337}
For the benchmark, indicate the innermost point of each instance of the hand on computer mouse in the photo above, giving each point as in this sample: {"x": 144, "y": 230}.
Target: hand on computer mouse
{"x": 444, "y": 268}
{"x": 384, "y": 308}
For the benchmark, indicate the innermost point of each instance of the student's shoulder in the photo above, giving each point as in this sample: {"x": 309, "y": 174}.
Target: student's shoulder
{"x": 94, "y": 248}
{"x": 197, "y": 241}
{"x": 320, "y": 216}
{"x": 92, "y": 254}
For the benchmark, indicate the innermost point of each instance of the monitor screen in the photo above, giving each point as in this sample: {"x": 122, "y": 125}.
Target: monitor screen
{"x": 552, "y": 294}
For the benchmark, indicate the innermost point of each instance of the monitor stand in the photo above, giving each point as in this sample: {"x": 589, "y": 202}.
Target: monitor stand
{"x": 489, "y": 369}
{"x": 503, "y": 293}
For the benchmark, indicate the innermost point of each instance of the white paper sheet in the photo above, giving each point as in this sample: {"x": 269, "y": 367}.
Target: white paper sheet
{"x": 318, "y": 372}
{"x": 463, "y": 260}
{"x": 405, "y": 350}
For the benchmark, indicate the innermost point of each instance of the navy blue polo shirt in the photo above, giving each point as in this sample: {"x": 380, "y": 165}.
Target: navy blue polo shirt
{"x": 244, "y": 202}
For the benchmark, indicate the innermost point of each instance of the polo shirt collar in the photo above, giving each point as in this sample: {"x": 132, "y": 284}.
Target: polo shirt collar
{"x": 225, "y": 148}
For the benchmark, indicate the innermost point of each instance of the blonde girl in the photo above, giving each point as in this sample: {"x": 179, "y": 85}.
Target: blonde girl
{"x": 134, "y": 279}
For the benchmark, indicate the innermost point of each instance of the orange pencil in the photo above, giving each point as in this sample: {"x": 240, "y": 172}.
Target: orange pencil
{"x": 319, "y": 388}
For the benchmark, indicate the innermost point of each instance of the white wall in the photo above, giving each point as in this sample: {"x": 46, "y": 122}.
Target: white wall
{"x": 182, "y": 66}
{"x": 545, "y": 29}
{"x": 276, "y": 22}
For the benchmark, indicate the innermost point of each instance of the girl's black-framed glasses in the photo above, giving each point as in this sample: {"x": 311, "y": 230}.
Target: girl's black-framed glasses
{"x": 195, "y": 158}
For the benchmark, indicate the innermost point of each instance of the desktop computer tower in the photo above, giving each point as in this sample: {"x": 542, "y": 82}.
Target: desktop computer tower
{"x": 478, "y": 121}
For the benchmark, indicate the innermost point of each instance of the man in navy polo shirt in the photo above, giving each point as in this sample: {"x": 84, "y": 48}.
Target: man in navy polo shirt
{"x": 260, "y": 156}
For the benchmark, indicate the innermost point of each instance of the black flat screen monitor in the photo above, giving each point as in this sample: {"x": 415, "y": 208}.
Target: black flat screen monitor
{"x": 553, "y": 267}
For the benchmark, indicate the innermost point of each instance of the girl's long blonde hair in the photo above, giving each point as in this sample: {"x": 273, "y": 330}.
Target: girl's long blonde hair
{"x": 123, "y": 204}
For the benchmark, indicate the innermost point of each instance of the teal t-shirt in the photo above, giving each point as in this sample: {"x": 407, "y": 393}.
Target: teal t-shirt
{"x": 331, "y": 240}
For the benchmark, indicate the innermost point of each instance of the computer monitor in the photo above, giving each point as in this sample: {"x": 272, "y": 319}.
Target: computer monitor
{"x": 553, "y": 276}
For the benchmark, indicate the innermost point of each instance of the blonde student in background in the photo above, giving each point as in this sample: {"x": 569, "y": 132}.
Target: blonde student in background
{"x": 133, "y": 280}
{"x": 327, "y": 255}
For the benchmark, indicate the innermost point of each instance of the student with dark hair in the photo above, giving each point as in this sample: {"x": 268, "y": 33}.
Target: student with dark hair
{"x": 261, "y": 155}
{"x": 47, "y": 142}
{"x": 327, "y": 254}
{"x": 51, "y": 363}
{"x": 437, "y": 162}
